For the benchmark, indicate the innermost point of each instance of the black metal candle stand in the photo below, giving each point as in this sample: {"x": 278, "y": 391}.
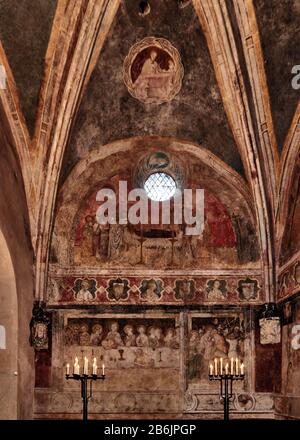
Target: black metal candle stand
{"x": 84, "y": 378}
{"x": 226, "y": 394}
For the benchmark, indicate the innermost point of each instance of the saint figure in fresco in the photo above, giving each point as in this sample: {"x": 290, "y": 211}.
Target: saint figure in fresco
{"x": 130, "y": 338}
{"x": 171, "y": 339}
{"x": 96, "y": 335}
{"x": 216, "y": 291}
{"x": 87, "y": 243}
{"x": 154, "y": 81}
{"x": 115, "y": 242}
{"x": 151, "y": 290}
{"x": 113, "y": 338}
{"x": 85, "y": 294}
{"x": 142, "y": 338}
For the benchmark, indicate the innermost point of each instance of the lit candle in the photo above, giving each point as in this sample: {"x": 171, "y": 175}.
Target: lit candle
{"x": 76, "y": 366}
{"x": 216, "y": 367}
{"x": 242, "y": 369}
{"x": 68, "y": 369}
{"x": 231, "y": 366}
{"x": 95, "y": 366}
{"x": 211, "y": 369}
{"x": 221, "y": 366}
{"x": 226, "y": 368}
{"x": 236, "y": 366}
{"x": 103, "y": 366}
{"x": 86, "y": 366}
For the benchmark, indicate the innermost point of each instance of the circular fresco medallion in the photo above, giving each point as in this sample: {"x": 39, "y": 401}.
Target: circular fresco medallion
{"x": 153, "y": 70}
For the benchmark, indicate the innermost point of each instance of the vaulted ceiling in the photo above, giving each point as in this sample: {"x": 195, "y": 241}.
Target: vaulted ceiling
{"x": 66, "y": 97}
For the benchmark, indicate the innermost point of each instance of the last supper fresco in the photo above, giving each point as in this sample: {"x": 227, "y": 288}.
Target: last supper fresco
{"x": 159, "y": 246}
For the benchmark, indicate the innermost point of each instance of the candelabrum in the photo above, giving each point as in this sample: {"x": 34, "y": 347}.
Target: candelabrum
{"x": 84, "y": 378}
{"x": 226, "y": 382}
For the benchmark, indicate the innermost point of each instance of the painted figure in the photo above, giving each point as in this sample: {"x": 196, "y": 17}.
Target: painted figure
{"x": 113, "y": 338}
{"x": 142, "y": 339}
{"x": 130, "y": 338}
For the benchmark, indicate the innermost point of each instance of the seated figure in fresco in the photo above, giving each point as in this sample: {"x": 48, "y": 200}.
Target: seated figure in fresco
{"x": 75, "y": 329}
{"x": 159, "y": 336}
{"x": 152, "y": 338}
{"x": 84, "y": 336}
{"x": 153, "y": 81}
{"x": 130, "y": 338}
{"x": 113, "y": 338}
{"x": 96, "y": 335}
{"x": 171, "y": 340}
{"x": 142, "y": 339}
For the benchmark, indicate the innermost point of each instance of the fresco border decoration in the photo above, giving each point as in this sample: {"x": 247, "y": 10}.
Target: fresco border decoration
{"x": 151, "y": 289}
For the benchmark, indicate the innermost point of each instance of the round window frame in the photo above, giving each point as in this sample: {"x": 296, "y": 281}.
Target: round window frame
{"x": 169, "y": 177}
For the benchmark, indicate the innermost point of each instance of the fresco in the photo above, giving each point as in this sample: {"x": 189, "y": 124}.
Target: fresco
{"x": 153, "y": 71}
{"x": 155, "y": 362}
{"x": 291, "y": 237}
{"x": 287, "y": 402}
{"x": 159, "y": 245}
{"x": 291, "y": 358}
{"x": 124, "y": 343}
{"x": 248, "y": 289}
{"x": 289, "y": 280}
{"x": 103, "y": 289}
{"x": 210, "y": 338}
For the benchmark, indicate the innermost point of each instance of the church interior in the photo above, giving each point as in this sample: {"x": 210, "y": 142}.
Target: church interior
{"x": 115, "y": 108}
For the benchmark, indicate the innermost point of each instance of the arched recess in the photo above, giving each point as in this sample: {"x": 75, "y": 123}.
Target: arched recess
{"x": 15, "y": 227}
{"x": 17, "y": 126}
{"x": 9, "y": 347}
{"x": 288, "y": 183}
{"x": 108, "y": 160}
